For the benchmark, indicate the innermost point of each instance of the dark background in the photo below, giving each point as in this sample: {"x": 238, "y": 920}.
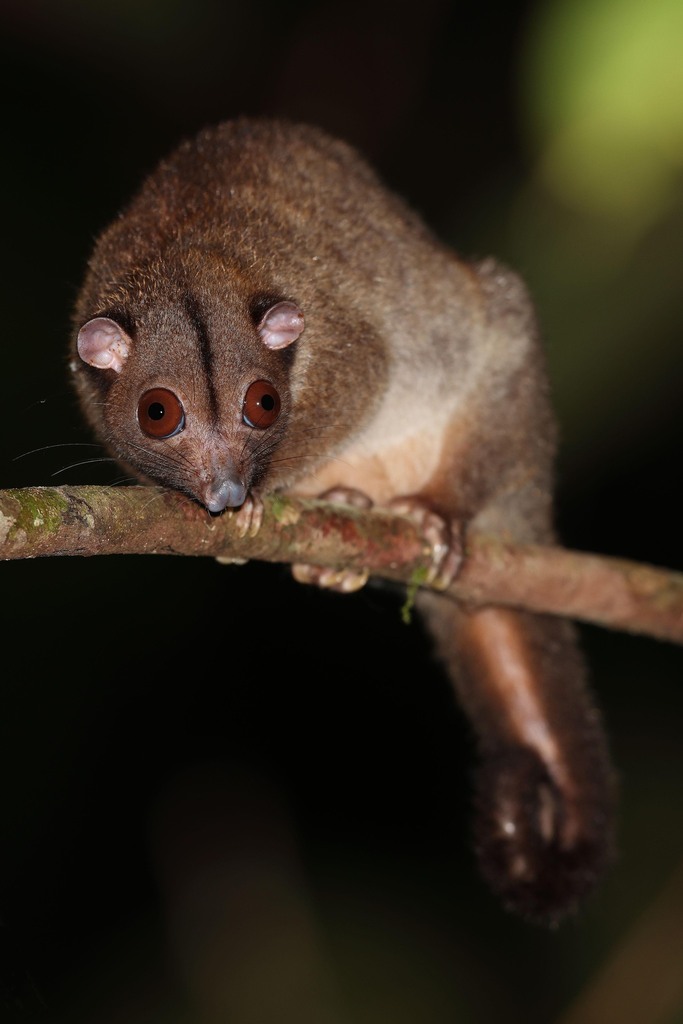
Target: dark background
{"x": 226, "y": 797}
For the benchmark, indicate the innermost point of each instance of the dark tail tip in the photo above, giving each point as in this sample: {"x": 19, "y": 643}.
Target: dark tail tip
{"x": 542, "y": 846}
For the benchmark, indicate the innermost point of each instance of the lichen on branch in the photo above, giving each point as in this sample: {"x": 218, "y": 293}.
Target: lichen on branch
{"x": 90, "y": 520}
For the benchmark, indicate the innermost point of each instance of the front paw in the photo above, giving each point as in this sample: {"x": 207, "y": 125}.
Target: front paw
{"x": 445, "y": 540}
{"x": 343, "y": 580}
{"x": 249, "y": 517}
{"x": 346, "y": 581}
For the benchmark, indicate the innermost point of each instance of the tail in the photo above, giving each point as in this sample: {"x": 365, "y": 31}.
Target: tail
{"x": 544, "y": 797}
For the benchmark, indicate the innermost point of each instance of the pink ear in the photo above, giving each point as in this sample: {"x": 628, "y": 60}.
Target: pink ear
{"x": 102, "y": 343}
{"x": 281, "y": 325}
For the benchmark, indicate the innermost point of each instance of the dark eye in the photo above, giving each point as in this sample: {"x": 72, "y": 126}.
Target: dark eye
{"x": 261, "y": 406}
{"x": 160, "y": 413}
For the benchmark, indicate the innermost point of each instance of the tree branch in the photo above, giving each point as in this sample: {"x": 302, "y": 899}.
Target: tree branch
{"x": 615, "y": 593}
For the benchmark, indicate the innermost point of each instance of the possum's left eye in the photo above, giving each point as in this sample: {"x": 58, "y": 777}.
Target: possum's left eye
{"x": 160, "y": 413}
{"x": 261, "y": 406}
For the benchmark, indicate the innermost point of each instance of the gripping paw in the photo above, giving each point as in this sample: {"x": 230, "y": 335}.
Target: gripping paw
{"x": 445, "y": 541}
{"x": 343, "y": 580}
{"x": 249, "y": 517}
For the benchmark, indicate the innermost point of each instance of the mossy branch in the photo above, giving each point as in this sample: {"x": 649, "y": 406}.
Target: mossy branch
{"x": 86, "y": 521}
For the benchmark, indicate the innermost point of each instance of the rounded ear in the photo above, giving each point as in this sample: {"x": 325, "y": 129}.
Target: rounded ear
{"x": 281, "y": 325}
{"x": 102, "y": 343}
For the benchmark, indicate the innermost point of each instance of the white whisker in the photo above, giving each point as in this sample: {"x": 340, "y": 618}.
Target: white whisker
{"x": 49, "y": 447}
{"x": 85, "y": 462}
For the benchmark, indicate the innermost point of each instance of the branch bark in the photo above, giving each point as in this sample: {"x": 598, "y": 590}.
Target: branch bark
{"x": 86, "y": 521}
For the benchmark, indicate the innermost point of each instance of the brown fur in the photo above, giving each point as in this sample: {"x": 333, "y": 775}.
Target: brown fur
{"x": 416, "y": 374}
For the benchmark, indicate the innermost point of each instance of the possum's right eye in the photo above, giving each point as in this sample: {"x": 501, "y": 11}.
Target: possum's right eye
{"x": 160, "y": 413}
